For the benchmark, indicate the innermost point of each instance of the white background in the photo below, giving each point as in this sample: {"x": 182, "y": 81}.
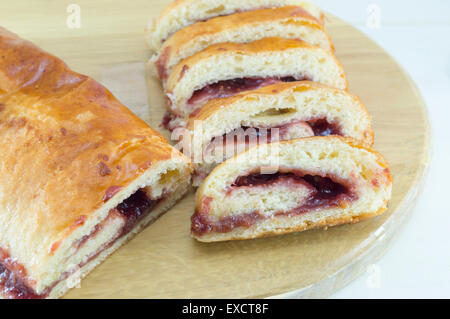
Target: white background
{"x": 417, "y": 35}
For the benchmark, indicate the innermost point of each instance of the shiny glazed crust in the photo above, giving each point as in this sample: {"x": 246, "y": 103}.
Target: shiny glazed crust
{"x": 65, "y": 140}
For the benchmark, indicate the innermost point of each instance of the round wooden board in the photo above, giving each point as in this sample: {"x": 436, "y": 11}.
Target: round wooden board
{"x": 163, "y": 261}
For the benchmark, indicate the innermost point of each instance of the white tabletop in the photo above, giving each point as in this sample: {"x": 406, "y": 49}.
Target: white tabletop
{"x": 417, "y": 34}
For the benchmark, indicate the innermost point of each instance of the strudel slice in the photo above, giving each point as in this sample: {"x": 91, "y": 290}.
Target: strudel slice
{"x": 182, "y": 13}
{"x": 80, "y": 174}
{"x": 283, "y": 111}
{"x": 291, "y": 186}
{"x": 289, "y": 22}
{"x": 226, "y": 69}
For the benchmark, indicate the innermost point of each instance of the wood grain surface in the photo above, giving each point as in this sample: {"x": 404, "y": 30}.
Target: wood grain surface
{"x": 163, "y": 261}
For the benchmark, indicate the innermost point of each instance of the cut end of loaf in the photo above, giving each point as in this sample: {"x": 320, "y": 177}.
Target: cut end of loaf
{"x": 265, "y": 59}
{"x": 317, "y": 182}
{"x": 126, "y": 211}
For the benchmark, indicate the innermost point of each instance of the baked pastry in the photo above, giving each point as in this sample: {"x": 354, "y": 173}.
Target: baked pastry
{"x": 226, "y": 69}
{"x": 80, "y": 174}
{"x": 291, "y": 186}
{"x": 286, "y": 22}
{"x": 182, "y": 13}
{"x": 281, "y": 111}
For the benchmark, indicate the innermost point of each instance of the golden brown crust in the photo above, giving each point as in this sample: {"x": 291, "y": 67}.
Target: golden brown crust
{"x": 264, "y": 45}
{"x": 169, "y": 8}
{"x": 289, "y": 15}
{"x": 65, "y": 140}
{"x": 233, "y": 21}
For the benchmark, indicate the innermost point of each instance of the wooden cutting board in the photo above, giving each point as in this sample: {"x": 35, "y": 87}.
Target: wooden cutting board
{"x": 163, "y": 261}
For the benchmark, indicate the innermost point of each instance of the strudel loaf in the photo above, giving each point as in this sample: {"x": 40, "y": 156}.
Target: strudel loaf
{"x": 290, "y": 186}
{"x": 80, "y": 174}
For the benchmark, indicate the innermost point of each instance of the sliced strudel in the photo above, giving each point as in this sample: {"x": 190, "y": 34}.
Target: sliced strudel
{"x": 182, "y": 13}
{"x": 283, "y": 111}
{"x": 226, "y": 69}
{"x": 290, "y": 186}
{"x": 289, "y": 22}
{"x": 80, "y": 174}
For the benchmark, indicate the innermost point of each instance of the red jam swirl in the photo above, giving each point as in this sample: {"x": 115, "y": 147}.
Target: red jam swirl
{"x": 133, "y": 209}
{"x": 321, "y": 127}
{"x": 327, "y": 193}
{"x": 231, "y": 87}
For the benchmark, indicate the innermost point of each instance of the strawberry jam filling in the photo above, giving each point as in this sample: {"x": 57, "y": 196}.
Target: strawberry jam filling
{"x": 261, "y": 134}
{"x": 13, "y": 287}
{"x": 321, "y": 127}
{"x": 245, "y": 134}
{"x": 325, "y": 193}
{"x": 243, "y": 138}
{"x": 232, "y": 87}
{"x": 133, "y": 209}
